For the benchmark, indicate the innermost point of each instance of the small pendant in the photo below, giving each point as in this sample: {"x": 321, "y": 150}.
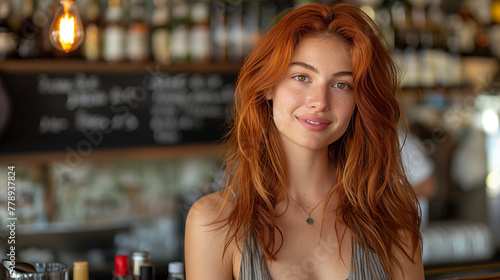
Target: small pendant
{"x": 309, "y": 221}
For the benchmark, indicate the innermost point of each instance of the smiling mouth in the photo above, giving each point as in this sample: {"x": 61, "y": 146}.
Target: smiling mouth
{"x": 311, "y": 122}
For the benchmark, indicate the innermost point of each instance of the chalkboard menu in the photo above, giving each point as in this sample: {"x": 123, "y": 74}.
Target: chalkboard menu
{"x": 92, "y": 111}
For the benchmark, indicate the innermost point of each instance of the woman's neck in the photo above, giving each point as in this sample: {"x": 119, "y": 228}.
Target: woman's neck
{"x": 311, "y": 174}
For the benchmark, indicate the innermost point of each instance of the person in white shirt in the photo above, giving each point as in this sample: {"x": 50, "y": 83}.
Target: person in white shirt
{"x": 419, "y": 169}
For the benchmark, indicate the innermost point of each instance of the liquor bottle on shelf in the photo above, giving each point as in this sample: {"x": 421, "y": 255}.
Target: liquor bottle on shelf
{"x": 418, "y": 14}
{"x": 440, "y": 58}
{"x": 495, "y": 11}
{"x": 218, "y": 31}
{"x": 468, "y": 32}
{"x": 179, "y": 41}
{"x": 268, "y": 11}
{"x": 46, "y": 7}
{"x": 452, "y": 46}
{"x": 494, "y": 31}
{"x": 401, "y": 20}
{"x": 426, "y": 59}
{"x": 483, "y": 13}
{"x": 28, "y": 43}
{"x": 482, "y": 42}
{"x": 7, "y": 37}
{"x": 138, "y": 33}
{"x": 122, "y": 268}
{"x": 199, "y": 33}
{"x": 80, "y": 270}
{"x": 406, "y": 39}
{"x": 384, "y": 22}
{"x": 93, "y": 32}
{"x": 175, "y": 271}
{"x": 426, "y": 74}
{"x": 114, "y": 33}
{"x": 236, "y": 39}
{"x": 251, "y": 25}
{"x": 160, "y": 32}
{"x": 410, "y": 56}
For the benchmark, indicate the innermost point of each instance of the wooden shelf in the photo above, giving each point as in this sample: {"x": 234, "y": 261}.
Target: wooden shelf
{"x": 115, "y": 154}
{"x": 78, "y": 65}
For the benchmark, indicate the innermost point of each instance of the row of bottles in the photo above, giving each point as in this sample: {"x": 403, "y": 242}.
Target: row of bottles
{"x": 24, "y": 42}
{"x": 432, "y": 38}
{"x": 142, "y": 267}
{"x": 427, "y": 42}
{"x": 166, "y": 31}
{"x": 466, "y": 27}
{"x": 139, "y": 261}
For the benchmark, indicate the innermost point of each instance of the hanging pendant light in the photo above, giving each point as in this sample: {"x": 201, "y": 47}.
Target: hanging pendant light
{"x": 66, "y": 31}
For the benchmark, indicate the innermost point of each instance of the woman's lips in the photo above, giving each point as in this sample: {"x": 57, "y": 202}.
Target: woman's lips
{"x": 314, "y": 123}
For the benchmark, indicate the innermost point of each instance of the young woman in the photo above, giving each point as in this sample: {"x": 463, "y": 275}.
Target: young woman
{"x": 315, "y": 184}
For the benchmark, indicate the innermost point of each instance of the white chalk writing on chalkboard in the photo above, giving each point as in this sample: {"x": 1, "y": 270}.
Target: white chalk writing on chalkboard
{"x": 63, "y": 85}
{"x": 86, "y": 121}
{"x": 51, "y": 124}
{"x": 168, "y": 104}
{"x": 182, "y": 102}
{"x": 57, "y": 111}
{"x": 86, "y": 100}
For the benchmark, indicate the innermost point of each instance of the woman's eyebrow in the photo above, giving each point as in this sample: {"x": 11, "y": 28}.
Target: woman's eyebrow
{"x": 305, "y": 65}
{"x": 342, "y": 74}
{"x": 312, "y": 68}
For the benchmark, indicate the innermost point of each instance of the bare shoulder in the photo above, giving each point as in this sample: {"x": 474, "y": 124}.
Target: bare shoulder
{"x": 204, "y": 213}
{"x": 205, "y": 240}
{"x": 412, "y": 269}
{"x": 207, "y": 207}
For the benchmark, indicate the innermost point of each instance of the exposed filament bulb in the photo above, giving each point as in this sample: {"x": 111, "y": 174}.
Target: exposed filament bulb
{"x": 66, "y": 30}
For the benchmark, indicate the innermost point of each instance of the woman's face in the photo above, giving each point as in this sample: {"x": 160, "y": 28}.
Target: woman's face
{"x": 314, "y": 101}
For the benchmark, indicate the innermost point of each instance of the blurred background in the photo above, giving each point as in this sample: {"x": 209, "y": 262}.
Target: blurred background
{"x": 113, "y": 142}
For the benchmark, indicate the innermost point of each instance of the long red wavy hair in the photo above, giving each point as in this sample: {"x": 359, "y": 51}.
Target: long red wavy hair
{"x": 376, "y": 202}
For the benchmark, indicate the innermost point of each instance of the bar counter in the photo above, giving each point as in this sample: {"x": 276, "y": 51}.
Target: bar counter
{"x": 467, "y": 271}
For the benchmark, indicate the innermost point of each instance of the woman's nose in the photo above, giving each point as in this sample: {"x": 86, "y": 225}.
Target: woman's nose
{"x": 318, "y": 99}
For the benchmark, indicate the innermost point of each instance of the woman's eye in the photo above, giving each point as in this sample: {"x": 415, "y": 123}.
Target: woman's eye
{"x": 342, "y": 86}
{"x": 301, "y": 78}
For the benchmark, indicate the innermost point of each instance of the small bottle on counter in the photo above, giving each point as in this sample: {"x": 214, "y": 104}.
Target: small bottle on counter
{"x": 175, "y": 271}
{"x": 80, "y": 270}
{"x": 122, "y": 268}
{"x": 147, "y": 272}
{"x": 139, "y": 258}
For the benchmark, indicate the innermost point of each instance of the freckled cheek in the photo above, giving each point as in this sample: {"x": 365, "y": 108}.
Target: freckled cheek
{"x": 287, "y": 101}
{"x": 344, "y": 100}
{"x": 345, "y": 106}
{"x": 351, "y": 107}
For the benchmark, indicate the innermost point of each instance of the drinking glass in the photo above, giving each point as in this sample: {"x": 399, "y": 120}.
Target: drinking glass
{"x": 44, "y": 271}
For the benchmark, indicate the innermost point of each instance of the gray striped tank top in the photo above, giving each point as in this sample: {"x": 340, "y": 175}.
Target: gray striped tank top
{"x": 365, "y": 264}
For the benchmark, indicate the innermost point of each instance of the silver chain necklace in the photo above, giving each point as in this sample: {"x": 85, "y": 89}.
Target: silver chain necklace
{"x": 309, "y": 220}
